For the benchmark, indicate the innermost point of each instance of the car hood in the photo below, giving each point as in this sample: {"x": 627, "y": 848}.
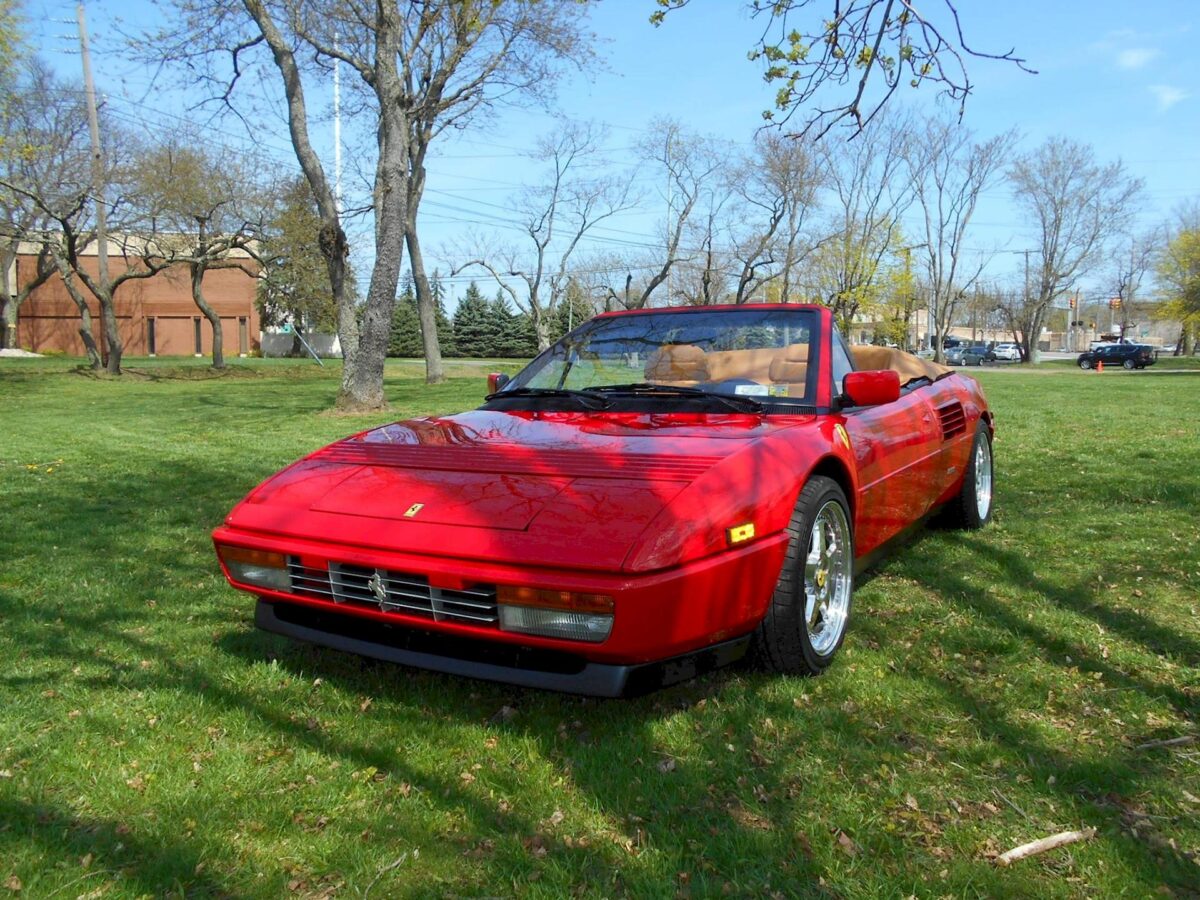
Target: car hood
{"x": 543, "y": 488}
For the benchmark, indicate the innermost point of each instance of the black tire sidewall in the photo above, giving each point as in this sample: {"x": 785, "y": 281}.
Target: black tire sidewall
{"x": 969, "y": 498}
{"x": 782, "y": 636}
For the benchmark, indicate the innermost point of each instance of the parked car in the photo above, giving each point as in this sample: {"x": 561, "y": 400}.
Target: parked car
{"x": 1130, "y": 356}
{"x": 660, "y": 492}
{"x": 975, "y": 355}
{"x": 1007, "y": 352}
{"x": 954, "y": 356}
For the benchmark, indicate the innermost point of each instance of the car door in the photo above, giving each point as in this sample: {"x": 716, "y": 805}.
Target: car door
{"x": 896, "y": 446}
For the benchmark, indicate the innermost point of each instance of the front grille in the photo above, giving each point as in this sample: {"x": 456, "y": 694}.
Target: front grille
{"x": 398, "y": 592}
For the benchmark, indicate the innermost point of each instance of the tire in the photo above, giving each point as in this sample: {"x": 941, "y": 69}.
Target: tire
{"x": 809, "y": 611}
{"x": 971, "y": 507}
{"x": 1085, "y": 364}
{"x": 1129, "y": 364}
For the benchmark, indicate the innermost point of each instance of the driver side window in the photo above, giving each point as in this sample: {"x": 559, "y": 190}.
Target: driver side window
{"x": 842, "y": 362}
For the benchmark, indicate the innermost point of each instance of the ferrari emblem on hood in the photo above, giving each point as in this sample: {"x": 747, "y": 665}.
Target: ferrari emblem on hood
{"x": 413, "y": 510}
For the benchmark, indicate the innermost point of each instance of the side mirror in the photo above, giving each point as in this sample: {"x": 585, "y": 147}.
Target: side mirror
{"x": 497, "y": 380}
{"x": 872, "y": 388}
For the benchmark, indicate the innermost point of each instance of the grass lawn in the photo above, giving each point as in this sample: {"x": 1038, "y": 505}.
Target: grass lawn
{"x": 1164, "y": 362}
{"x": 995, "y": 686}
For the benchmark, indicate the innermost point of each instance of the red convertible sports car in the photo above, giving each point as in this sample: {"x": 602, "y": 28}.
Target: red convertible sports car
{"x": 659, "y": 493}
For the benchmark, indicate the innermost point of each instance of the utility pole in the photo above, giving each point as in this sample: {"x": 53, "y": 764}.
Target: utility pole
{"x": 98, "y": 191}
{"x": 337, "y": 130}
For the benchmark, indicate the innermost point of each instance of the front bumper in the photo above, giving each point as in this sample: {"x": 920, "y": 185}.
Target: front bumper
{"x": 524, "y": 666}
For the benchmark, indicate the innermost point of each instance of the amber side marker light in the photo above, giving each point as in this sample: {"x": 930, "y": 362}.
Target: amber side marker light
{"x": 558, "y": 614}
{"x": 740, "y": 533}
{"x": 261, "y": 568}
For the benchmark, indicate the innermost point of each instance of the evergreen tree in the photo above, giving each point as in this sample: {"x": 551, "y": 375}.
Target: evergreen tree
{"x": 572, "y": 311}
{"x": 515, "y": 334}
{"x": 445, "y": 330}
{"x": 405, "y": 337}
{"x": 476, "y": 330}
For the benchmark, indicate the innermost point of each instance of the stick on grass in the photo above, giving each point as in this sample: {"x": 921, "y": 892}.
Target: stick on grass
{"x": 1033, "y": 848}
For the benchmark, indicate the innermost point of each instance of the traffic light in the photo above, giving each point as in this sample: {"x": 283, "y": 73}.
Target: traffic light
{"x": 1114, "y": 303}
{"x": 1071, "y": 303}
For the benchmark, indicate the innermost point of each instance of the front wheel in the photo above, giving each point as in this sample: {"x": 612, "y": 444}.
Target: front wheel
{"x": 971, "y": 508}
{"x": 1129, "y": 364}
{"x": 806, "y": 620}
{"x": 1085, "y": 364}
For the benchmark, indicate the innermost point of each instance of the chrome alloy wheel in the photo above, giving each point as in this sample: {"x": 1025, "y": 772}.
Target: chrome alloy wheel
{"x": 983, "y": 477}
{"x": 827, "y": 578}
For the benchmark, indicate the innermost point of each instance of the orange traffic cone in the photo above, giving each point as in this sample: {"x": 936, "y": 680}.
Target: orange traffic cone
{"x": 1099, "y": 365}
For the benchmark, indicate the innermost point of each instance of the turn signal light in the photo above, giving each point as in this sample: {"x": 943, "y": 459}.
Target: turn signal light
{"x": 739, "y": 533}
{"x": 556, "y": 614}
{"x": 527, "y": 596}
{"x": 261, "y": 568}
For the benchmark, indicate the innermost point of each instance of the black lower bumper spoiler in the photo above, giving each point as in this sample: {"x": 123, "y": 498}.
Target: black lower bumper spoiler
{"x": 487, "y": 660}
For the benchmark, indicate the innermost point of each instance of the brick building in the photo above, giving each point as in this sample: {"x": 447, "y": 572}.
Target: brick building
{"x": 156, "y": 316}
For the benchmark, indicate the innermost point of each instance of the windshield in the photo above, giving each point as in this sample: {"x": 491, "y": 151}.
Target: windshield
{"x": 767, "y": 355}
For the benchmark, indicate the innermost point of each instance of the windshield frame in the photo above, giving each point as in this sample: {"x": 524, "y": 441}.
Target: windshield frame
{"x": 687, "y": 400}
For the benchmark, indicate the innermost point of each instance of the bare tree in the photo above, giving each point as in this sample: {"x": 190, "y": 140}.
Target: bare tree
{"x": 776, "y": 188}
{"x": 205, "y": 211}
{"x": 422, "y": 66}
{"x": 691, "y": 169}
{"x": 870, "y": 47}
{"x": 62, "y": 198}
{"x": 44, "y": 162}
{"x": 1132, "y": 258}
{"x": 869, "y": 192}
{"x": 1076, "y": 205}
{"x": 555, "y": 218}
{"x": 949, "y": 170}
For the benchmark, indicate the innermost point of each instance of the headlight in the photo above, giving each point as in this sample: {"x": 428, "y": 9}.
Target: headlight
{"x": 557, "y": 614}
{"x": 260, "y": 568}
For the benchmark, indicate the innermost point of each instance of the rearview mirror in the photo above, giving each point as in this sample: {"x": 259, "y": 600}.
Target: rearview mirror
{"x": 872, "y": 388}
{"x": 497, "y": 380}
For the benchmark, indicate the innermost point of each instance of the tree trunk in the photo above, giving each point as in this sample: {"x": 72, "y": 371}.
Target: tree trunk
{"x": 1188, "y": 339}
{"x": 112, "y": 336}
{"x": 8, "y": 310}
{"x": 362, "y": 383}
{"x": 8, "y": 320}
{"x": 541, "y": 327}
{"x": 218, "y": 349}
{"x": 426, "y": 304}
{"x": 85, "y": 314}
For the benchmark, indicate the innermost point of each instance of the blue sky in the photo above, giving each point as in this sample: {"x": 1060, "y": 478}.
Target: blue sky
{"x": 1115, "y": 75}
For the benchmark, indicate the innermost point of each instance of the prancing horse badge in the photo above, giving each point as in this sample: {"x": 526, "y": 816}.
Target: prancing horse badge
{"x": 413, "y": 510}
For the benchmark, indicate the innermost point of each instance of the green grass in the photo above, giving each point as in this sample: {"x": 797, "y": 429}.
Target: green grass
{"x": 993, "y": 688}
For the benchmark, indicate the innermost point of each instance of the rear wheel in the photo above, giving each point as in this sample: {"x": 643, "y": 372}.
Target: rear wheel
{"x": 806, "y": 621}
{"x": 972, "y": 506}
{"x": 1129, "y": 364}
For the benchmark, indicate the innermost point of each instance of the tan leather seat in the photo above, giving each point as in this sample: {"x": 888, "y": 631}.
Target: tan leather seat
{"x": 753, "y": 364}
{"x": 790, "y": 365}
{"x": 677, "y": 364}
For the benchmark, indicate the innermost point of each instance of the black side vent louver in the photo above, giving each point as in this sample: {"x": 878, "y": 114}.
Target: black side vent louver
{"x": 953, "y": 420}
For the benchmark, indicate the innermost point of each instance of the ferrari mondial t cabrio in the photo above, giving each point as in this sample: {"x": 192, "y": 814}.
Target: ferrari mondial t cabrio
{"x": 659, "y": 493}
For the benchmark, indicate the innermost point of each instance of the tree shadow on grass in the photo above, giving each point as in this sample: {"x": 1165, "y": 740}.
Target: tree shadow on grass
{"x": 146, "y": 866}
{"x": 609, "y": 756}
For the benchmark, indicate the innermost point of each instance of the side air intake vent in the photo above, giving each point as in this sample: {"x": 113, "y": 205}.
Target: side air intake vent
{"x": 953, "y": 420}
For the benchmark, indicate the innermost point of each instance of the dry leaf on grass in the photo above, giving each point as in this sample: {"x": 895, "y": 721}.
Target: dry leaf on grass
{"x": 847, "y": 844}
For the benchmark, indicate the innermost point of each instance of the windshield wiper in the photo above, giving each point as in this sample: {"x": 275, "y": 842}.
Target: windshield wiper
{"x": 737, "y": 402}
{"x": 583, "y": 398}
